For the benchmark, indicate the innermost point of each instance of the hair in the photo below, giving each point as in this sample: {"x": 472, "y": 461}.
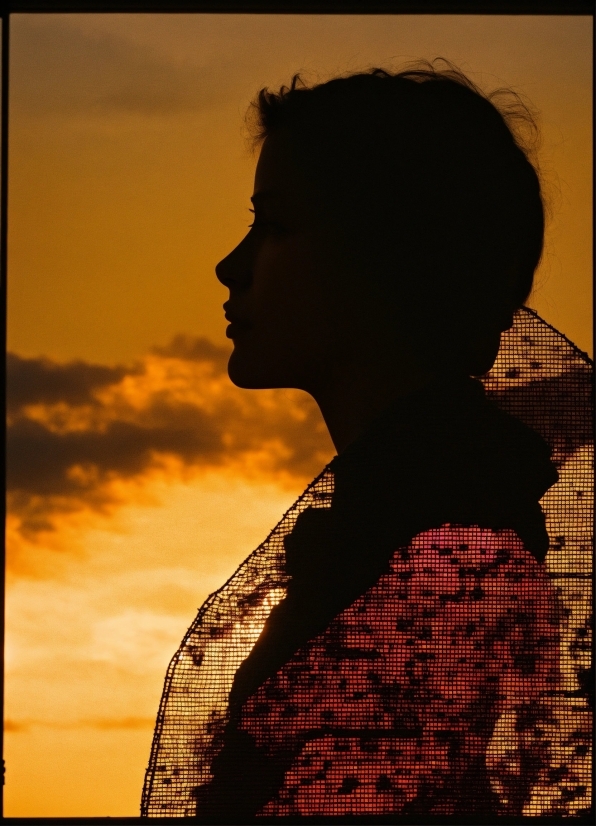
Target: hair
{"x": 434, "y": 183}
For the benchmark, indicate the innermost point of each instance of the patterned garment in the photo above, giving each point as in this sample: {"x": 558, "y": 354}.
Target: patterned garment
{"x": 402, "y": 691}
{"x": 413, "y": 637}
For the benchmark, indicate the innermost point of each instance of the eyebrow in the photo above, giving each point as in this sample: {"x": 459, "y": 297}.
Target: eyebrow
{"x": 264, "y": 195}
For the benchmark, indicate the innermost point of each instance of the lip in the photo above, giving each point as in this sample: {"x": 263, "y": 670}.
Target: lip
{"x": 236, "y": 326}
{"x": 236, "y": 329}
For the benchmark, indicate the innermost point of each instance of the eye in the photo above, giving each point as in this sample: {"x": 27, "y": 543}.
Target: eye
{"x": 258, "y": 222}
{"x": 261, "y": 223}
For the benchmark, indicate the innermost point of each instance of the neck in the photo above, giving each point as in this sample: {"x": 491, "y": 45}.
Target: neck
{"x": 351, "y": 401}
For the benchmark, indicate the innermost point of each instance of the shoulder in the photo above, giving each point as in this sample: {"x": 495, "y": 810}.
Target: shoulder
{"x": 455, "y": 557}
{"x": 456, "y": 585}
{"x": 455, "y": 564}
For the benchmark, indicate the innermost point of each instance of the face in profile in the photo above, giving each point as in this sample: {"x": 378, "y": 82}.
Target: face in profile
{"x": 292, "y": 311}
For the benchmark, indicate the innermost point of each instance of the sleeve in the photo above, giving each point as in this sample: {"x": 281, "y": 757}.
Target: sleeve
{"x": 396, "y": 707}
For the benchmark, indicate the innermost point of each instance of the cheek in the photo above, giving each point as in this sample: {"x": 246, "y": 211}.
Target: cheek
{"x": 292, "y": 312}
{"x": 290, "y": 289}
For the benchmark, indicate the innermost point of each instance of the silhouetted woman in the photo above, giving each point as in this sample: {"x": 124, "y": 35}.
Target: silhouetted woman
{"x": 398, "y": 225}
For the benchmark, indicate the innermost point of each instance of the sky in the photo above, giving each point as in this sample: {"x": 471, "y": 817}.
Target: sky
{"x": 139, "y": 477}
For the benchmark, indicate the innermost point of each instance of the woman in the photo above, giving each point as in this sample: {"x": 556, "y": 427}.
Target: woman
{"x": 359, "y": 661}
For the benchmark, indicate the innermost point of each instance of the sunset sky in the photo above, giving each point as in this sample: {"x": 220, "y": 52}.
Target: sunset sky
{"x": 139, "y": 477}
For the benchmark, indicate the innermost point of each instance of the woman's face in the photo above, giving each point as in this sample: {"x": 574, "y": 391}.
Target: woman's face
{"x": 293, "y": 311}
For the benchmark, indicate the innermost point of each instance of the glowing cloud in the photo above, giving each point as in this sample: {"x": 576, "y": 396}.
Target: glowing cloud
{"x": 77, "y": 429}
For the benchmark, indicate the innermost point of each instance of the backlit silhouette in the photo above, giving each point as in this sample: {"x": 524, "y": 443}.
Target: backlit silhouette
{"x": 412, "y": 637}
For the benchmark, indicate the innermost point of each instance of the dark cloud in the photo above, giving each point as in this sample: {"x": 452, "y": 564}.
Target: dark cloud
{"x": 39, "y": 460}
{"x": 42, "y": 381}
{"x": 72, "y": 431}
{"x": 56, "y": 68}
{"x": 75, "y": 428}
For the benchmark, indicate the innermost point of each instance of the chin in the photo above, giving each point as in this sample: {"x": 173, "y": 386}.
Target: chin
{"x": 252, "y": 373}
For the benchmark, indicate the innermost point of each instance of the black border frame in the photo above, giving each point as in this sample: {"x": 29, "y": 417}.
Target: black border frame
{"x": 561, "y": 7}
{"x": 564, "y": 8}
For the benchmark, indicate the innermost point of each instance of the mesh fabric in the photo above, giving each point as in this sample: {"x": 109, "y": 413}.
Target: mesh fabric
{"x": 544, "y": 380}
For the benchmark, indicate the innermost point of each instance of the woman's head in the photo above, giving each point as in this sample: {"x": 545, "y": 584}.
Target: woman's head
{"x": 417, "y": 216}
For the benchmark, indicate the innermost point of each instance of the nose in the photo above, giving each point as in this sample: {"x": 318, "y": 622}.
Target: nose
{"x": 234, "y": 271}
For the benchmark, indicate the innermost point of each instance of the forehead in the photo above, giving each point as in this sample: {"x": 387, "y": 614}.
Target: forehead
{"x": 277, "y": 174}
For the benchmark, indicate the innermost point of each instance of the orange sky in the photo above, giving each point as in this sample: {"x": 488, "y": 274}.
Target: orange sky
{"x": 140, "y": 477}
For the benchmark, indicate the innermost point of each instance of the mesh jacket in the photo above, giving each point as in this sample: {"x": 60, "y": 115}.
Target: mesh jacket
{"x": 399, "y": 643}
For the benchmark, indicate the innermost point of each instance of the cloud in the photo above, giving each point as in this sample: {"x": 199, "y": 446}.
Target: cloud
{"x": 14, "y": 726}
{"x": 58, "y": 69}
{"x": 75, "y": 430}
{"x": 98, "y": 723}
{"x": 35, "y": 381}
{"x": 189, "y": 348}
